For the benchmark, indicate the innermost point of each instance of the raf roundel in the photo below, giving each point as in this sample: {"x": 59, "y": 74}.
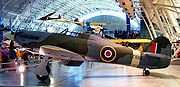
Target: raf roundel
{"x": 107, "y": 54}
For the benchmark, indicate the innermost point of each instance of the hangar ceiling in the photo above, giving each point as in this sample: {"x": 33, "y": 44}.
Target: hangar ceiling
{"x": 64, "y": 7}
{"x": 25, "y": 13}
{"x": 160, "y": 16}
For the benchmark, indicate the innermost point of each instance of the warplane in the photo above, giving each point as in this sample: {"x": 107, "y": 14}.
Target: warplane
{"x": 89, "y": 26}
{"x": 47, "y": 17}
{"x": 74, "y": 48}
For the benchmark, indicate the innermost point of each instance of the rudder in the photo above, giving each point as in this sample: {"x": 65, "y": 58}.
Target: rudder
{"x": 160, "y": 45}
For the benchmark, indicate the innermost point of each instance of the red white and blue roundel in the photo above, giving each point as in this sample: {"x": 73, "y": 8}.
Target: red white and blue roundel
{"x": 107, "y": 54}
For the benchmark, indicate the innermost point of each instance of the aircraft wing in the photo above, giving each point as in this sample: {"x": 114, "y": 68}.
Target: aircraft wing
{"x": 79, "y": 23}
{"x": 59, "y": 53}
{"x": 99, "y": 23}
{"x": 84, "y": 23}
{"x": 62, "y": 20}
{"x": 130, "y": 40}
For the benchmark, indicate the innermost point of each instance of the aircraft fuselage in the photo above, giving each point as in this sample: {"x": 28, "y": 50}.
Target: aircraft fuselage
{"x": 92, "y": 48}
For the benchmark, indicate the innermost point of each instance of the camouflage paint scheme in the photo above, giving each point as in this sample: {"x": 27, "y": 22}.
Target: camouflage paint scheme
{"x": 93, "y": 48}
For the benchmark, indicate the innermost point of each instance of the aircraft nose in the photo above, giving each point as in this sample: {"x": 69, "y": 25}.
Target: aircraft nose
{"x": 9, "y": 35}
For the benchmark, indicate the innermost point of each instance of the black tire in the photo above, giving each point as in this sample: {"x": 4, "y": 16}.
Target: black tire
{"x": 146, "y": 72}
{"x": 48, "y": 69}
{"x": 42, "y": 78}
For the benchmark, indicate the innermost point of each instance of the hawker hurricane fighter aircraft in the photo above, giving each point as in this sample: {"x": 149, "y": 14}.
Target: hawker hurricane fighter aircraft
{"x": 74, "y": 48}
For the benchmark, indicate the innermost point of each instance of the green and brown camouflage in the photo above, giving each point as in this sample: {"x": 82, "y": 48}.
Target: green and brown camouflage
{"x": 93, "y": 48}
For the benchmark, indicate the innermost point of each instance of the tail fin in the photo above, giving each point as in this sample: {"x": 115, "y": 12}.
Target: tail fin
{"x": 59, "y": 17}
{"x": 160, "y": 45}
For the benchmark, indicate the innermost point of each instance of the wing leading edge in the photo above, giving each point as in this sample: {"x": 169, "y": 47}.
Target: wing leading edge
{"x": 60, "y": 53}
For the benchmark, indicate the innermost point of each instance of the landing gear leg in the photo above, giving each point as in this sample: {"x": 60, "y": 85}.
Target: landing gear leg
{"x": 146, "y": 72}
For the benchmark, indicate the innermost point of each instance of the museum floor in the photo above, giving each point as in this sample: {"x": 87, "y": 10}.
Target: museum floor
{"x": 95, "y": 75}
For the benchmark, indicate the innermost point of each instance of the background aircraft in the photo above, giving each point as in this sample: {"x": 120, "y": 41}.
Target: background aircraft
{"x": 47, "y": 17}
{"x": 97, "y": 27}
{"x": 76, "y": 48}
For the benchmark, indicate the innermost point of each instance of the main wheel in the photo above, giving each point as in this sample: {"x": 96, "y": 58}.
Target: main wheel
{"x": 146, "y": 72}
{"x": 42, "y": 78}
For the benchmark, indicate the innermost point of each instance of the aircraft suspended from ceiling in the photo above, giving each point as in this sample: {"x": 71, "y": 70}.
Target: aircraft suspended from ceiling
{"x": 89, "y": 26}
{"x": 93, "y": 26}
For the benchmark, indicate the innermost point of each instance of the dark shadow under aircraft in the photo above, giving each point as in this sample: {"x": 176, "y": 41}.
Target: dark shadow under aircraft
{"x": 74, "y": 48}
